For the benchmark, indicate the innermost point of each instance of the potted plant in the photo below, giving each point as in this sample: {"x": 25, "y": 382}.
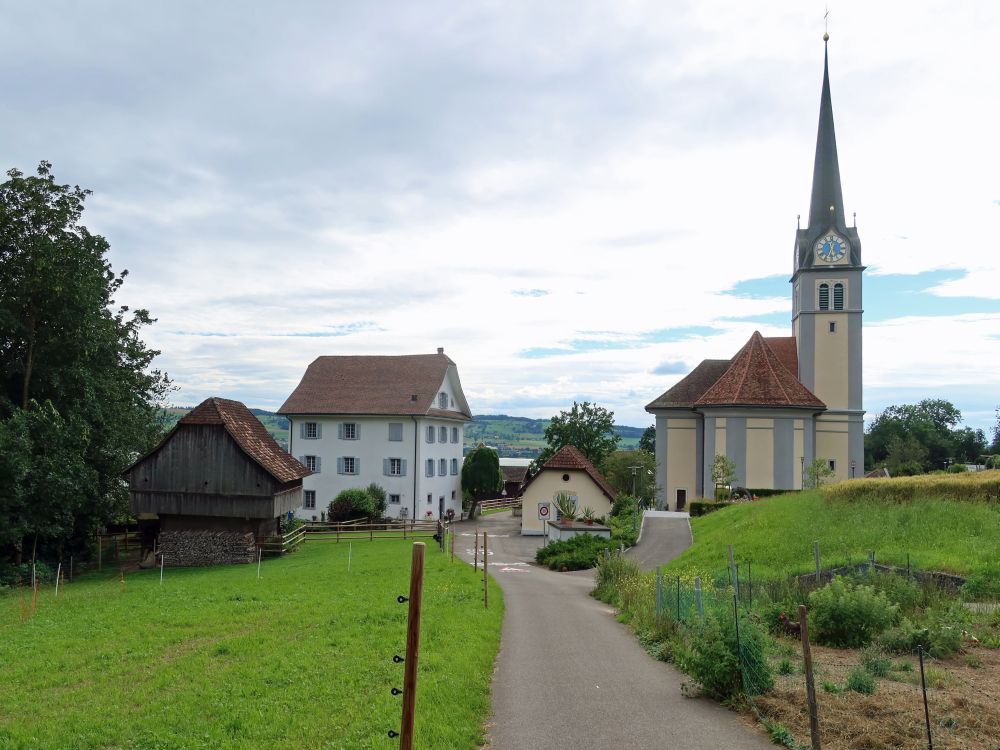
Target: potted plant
{"x": 588, "y": 516}
{"x": 566, "y": 505}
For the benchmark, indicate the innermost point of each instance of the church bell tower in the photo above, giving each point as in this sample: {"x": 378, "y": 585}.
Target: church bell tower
{"x": 827, "y": 305}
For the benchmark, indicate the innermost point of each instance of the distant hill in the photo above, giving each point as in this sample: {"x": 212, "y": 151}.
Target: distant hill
{"x": 513, "y": 437}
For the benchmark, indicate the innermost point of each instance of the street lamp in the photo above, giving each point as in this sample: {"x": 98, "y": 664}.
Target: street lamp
{"x": 853, "y": 464}
{"x": 635, "y": 502}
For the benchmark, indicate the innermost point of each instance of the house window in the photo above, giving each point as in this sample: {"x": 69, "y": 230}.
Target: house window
{"x": 824, "y": 296}
{"x": 349, "y": 431}
{"x": 430, "y": 433}
{"x": 348, "y": 465}
{"x": 393, "y": 467}
{"x": 442, "y": 467}
{"x": 454, "y": 434}
{"x": 832, "y": 464}
{"x": 394, "y": 500}
{"x": 309, "y": 499}
{"x": 429, "y": 470}
{"x": 430, "y": 498}
{"x": 395, "y": 431}
{"x": 838, "y": 296}
{"x": 833, "y": 326}
{"x": 443, "y": 400}
{"x": 453, "y": 494}
{"x": 454, "y": 466}
{"x": 310, "y": 430}
{"x": 312, "y": 463}
{"x": 442, "y": 434}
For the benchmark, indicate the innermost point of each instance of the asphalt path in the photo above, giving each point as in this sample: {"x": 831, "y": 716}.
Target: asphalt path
{"x": 569, "y": 675}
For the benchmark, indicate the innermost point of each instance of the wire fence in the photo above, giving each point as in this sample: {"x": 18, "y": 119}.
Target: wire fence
{"x": 809, "y": 696}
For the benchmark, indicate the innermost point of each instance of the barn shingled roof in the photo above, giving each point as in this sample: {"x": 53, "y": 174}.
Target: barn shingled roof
{"x": 249, "y": 434}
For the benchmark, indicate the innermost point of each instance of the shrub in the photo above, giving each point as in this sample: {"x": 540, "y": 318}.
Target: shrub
{"x": 875, "y": 662}
{"x": 351, "y": 504}
{"x": 831, "y": 687}
{"x": 903, "y": 638}
{"x": 379, "y": 500}
{"x": 714, "y": 658}
{"x": 849, "y": 616}
{"x": 579, "y": 553}
{"x": 860, "y": 681}
{"x": 785, "y": 667}
{"x": 612, "y": 570}
{"x": 704, "y": 507}
{"x": 983, "y": 584}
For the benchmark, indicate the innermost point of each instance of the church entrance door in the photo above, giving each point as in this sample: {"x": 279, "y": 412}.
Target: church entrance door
{"x": 682, "y": 496}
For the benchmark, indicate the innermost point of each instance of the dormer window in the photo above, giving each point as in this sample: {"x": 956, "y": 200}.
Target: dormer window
{"x": 838, "y": 296}
{"x": 443, "y": 400}
{"x": 824, "y": 296}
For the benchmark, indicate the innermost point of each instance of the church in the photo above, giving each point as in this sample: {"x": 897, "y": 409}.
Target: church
{"x": 781, "y": 402}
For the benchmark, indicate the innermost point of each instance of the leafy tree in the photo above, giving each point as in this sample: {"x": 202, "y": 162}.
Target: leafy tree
{"x": 723, "y": 473}
{"x": 78, "y": 400}
{"x": 930, "y": 423}
{"x": 480, "y": 475}
{"x": 588, "y": 427}
{"x": 380, "y": 500}
{"x": 648, "y": 440}
{"x": 817, "y": 472}
{"x": 618, "y": 471}
{"x": 906, "y": 457}
{"x": 968, "y": 445}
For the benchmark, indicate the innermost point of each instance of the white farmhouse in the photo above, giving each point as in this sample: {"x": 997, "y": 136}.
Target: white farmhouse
{"x": 398, "y": 421}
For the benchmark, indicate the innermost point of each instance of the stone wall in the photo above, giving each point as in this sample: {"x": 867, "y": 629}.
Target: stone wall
{"x": 185, "y": 548}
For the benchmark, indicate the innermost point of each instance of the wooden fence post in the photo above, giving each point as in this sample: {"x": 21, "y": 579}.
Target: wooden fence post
{"x": 810, "y": 684}
{"x": 486, "y": 579}
{"x": 412, "y": 647}
{"x": 99, "y": 552}
{"x": 475, "y": 552}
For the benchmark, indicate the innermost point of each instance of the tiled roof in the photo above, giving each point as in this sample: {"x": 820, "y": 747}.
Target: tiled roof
{"x": 569, "y": 457}
{"x": 757, "y": 377}
{"x": 692, "y": 386}
{"x": 249, "y": 434}
{"x": 514, "y": 473}
{"x": 381, "y": 385}
{"x": 786, "y": 351}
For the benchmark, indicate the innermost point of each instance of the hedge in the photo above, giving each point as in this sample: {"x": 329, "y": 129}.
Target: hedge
{"x": 982, "y": 486}
{"x": 704, "y": 507}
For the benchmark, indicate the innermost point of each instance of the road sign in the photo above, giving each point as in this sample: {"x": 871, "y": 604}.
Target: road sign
{"x": 543, "y": 511}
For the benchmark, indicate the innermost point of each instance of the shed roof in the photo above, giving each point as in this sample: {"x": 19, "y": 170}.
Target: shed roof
{"x": 249, "y": 434}
{"x": 569, "y": 457}
{"x": 379, "y": 385}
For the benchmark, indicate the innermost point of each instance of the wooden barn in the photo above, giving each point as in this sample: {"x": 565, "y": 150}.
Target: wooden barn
{"x": 217, "y": 483}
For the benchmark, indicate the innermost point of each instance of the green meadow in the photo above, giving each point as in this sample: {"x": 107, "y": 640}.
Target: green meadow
{"x": 215, "y": 658}
{"x": 776, "y": 535}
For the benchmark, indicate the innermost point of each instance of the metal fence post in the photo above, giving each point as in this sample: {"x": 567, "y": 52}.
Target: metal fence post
{"x": 923, "y": 687}
{"x": 734, "y": 571}
{"x": 810, "y": 684}
{"x": 697, "y": 596}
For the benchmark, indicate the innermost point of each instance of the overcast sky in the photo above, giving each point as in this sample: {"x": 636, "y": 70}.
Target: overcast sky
{"x": 578, "y": 200}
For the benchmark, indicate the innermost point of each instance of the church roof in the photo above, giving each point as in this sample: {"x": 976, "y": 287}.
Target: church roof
{"x": 757, "y": 377}
{"x": 826, "y": 190}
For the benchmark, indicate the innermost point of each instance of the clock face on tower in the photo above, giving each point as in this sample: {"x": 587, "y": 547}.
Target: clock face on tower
{"x": 831, "y": 247}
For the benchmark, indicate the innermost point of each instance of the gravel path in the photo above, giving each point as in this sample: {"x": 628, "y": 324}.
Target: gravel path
{"x": 569, "y": 675}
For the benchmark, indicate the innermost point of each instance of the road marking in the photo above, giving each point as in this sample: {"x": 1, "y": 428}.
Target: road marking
{"x": 524, "y": 564}
{"x": 509, "y": 569}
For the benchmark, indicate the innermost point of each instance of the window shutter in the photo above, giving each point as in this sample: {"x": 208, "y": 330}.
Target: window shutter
{"x": 385, "y": 467}
{"x": 402, "y": 468}
{"x": 340, "y": 465}
{"x": 357, "y": 431}
{"x": 302, "y": 430}
{"x": 357, "y": 465}
{"x": 319, "y": 430}
{"x": 340, "y": 430}
{"x": 302, "y": 460}
{"x": 319, "y": 464}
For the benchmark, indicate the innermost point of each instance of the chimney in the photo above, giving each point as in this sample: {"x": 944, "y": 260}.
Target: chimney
{"x": 440, "y": 350}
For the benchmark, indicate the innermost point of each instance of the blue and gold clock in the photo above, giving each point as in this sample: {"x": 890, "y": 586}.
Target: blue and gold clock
{"x": 831, "y": 247}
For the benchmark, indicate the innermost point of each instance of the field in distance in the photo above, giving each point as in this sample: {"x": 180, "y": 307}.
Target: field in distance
{"x": 516, "y": 437}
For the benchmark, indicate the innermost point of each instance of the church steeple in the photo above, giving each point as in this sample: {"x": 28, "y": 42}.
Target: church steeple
{"x": 826, "y": 209}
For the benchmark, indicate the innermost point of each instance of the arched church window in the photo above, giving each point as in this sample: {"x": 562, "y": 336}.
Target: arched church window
{"x": 824, "y": 296}
{"x": 838, "y": 296}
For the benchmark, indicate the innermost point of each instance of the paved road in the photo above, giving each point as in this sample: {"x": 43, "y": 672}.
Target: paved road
{"x": 570, "y": 676}
{"x": 664, "y": 536}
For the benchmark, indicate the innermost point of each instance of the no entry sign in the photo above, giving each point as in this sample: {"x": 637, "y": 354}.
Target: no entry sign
{"x": 543, "y": 511}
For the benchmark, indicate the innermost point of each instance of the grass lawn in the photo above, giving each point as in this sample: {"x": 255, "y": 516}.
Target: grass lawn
{"x": 776, "y": 535}
{"x": 218, "y": 659}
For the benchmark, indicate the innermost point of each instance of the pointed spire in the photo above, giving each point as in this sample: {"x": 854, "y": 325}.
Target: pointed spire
{"x": 826, "y": 191}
